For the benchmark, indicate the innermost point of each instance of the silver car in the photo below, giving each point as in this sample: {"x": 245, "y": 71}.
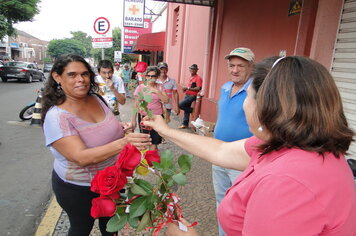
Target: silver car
{"x": 21, "y": 71}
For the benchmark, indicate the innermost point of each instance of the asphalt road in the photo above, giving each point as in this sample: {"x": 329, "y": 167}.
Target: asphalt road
{"x": 25, "y": 163}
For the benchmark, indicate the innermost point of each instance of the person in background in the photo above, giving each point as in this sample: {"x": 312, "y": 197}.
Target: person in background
{"x": 118, "y": 70}
{"x": 156, "y": 91}
{"x": 231, "y": 124}
{"x": 83, "y": 136}
{"x": 296, "y": 180}
{"x": 126, "y": 73}
{"x": 111, "y": 87}
{"x": 191, "y": 91}
{"x": 170, "y": 87}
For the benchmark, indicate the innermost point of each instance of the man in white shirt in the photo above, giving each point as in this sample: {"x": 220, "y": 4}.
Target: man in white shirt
{"x": 111, "y": 87}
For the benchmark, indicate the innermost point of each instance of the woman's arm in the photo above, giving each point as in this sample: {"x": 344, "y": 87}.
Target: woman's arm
{"x": 230, "y": 155}
{"x": 73, "y": 148}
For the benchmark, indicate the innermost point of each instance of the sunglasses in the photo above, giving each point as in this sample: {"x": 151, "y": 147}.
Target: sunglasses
{"x": 151, "y": 76}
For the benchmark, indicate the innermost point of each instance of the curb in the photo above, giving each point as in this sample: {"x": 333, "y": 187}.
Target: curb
{"x": 50, "y": 219}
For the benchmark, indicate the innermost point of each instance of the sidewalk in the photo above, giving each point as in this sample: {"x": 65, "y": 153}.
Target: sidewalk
{"x": 197, "y": 196}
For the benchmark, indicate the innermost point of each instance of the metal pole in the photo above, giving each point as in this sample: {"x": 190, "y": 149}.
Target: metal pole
{"x": 102, "y": 54}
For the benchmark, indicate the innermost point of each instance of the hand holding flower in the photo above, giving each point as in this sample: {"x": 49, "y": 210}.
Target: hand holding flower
{"x": 157, "y": 123}
{"x": 139, "y": 140}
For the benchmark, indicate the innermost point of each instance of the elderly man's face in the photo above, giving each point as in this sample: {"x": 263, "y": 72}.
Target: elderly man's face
{"x": 239, "y": 70}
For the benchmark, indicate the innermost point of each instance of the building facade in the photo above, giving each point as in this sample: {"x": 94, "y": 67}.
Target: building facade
{"x": 23, "y": 47}
{"x": 324, "y": 30}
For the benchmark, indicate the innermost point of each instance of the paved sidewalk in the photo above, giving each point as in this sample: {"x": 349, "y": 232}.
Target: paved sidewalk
{"x": 197, "y": 196}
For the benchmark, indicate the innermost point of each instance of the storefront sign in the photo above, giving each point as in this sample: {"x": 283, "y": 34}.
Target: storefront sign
{"x": 134, "y": 11}
{"x": 130, "y": 35}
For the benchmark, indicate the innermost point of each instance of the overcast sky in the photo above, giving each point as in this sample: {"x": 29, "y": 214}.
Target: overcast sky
{"x": 58, "y": 17}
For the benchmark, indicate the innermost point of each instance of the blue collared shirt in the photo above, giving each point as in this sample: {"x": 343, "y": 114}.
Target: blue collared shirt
{"x": 231, "y": 124}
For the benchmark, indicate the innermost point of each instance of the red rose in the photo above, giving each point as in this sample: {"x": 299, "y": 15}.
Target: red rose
{"x": 108, "y": 181}
{"x": 102, "y": 207}
{"x": 152, "y": 156}
{"x": 128, "y": 159}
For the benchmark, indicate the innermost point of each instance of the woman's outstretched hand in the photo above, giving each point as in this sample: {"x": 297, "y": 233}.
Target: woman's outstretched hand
{"x": 139, "y": 140}
{"x": 173, "y": 229}
{"x": 157, "y": 123}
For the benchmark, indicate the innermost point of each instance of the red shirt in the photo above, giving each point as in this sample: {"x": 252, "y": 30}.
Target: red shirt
{"x": 290, "y": 192}
{"x": 198, "y": 83}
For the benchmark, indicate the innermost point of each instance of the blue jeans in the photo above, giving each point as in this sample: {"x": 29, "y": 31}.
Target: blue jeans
{"x": 223, "y": 179}
{"x": 185, "y": 105}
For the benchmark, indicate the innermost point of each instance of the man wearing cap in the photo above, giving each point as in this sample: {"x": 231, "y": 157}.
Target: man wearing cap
{"x": 231, "y": 124}
{"x": 118, "y": 70}
{"x": 191, "y": 91}
{"x": 170, "y": 87}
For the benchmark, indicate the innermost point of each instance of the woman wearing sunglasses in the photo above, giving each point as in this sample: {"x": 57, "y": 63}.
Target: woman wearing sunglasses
{"x": 154, "y": 93}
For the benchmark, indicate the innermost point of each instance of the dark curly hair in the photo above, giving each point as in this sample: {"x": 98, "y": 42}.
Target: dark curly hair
{"x": 50, "y": 95}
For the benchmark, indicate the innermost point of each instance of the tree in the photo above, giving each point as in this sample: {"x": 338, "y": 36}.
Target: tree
{"x": 59, "y": 47}
{"x": 109, "y": 52}
{"x": 14, "y": 11}
{"x": 84, "y": 39}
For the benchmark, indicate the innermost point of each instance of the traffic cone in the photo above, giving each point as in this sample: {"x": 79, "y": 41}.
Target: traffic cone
{"x": 36, "y": 116}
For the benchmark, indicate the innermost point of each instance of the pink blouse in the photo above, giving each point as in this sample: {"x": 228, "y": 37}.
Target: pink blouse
{"x": 290, "y": 192}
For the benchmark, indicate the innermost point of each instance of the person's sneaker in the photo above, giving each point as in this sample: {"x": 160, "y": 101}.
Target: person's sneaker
{"x": 182, "y": 127}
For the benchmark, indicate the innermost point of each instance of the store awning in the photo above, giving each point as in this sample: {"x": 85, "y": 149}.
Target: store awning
{"x": 209, "y": 3}
{"x": 152, "y": 42}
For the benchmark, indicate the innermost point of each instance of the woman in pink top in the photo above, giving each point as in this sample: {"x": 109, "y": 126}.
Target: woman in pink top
{"x": 83, "y": 136}
{"x": 157, "y": 95}
{"x": 296, "y": 180}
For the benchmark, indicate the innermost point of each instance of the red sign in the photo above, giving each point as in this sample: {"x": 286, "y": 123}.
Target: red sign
{"x": 101, "y": 40}
{"x": 131, "y": 34}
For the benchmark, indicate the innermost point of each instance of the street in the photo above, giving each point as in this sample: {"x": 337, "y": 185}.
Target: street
{"x": 25, "y": 162}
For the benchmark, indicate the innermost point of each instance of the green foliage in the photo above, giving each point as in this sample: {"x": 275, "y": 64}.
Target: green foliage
{"x": 14, "y": 11}
{"x": 150, "y": 200}
{"x": 59, "y": 47}
{"x": 116, "y": 223}
{"x": 84, "y": 39}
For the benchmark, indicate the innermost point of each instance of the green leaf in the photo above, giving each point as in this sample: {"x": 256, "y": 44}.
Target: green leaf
{"x": 166, "y": 159}
{"x": 151, "y": 201}
{"x": 145, "y": 221}
{"x": 133, "y": 222}
{"x": 138, "y": 207}
{"x": 135, "y": 189}
{"x": 149, "y": 113}
{"x": 180, "y": 178}
{"x": 185, "y": 163}
{"x": 140, "y": 96}
{"x": 171, "y": 183}
{"x": 144, "y": 184}
{"x": 116, "y": 223}
{"x": 148, "y": 98}
{"x": 135, "y": 110}
{"x": 157, "y": 166}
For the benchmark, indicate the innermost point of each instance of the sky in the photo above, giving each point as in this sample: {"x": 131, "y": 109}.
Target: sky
{"x": 57, "y": 18}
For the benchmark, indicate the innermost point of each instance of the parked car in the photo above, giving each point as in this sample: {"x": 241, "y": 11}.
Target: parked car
{"x": 21, "y": 71}
{"x": 1, "y": 63}
{"x": 47, "y": 67}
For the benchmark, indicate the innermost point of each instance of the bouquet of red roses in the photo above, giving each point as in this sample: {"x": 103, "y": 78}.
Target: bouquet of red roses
{"x": 133, "y": 201}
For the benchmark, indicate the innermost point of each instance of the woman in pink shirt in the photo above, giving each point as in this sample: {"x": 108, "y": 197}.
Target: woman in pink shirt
{"x": 296, "y": 180}
{"x": 157, "y": 96}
